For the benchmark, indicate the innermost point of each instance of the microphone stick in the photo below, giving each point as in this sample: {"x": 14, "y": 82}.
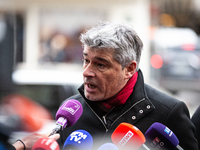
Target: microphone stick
{"x": 67, "y": 115}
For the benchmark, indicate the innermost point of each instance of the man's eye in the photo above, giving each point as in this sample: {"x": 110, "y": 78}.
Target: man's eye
{"x": 101, "y": 66}
{"x": 85, "y": 61}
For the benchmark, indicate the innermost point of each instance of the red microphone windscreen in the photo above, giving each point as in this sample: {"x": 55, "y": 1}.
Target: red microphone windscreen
{"x": 127, "y": 136}
{"x": 46, "y": 144}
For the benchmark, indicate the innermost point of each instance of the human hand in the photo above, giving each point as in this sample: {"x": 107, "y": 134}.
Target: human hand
{"x": 29, "y": 140}
{"x": 55, "y": 136}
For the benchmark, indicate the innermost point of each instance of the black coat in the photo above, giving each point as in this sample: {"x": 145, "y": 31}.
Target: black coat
{"x": 144, "y": 107}
{"x": 196, "y": 120}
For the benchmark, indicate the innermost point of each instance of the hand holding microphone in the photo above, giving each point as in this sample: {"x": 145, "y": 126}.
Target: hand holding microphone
{"x": 27, "y": 142}
{"x": 67, "y": 115}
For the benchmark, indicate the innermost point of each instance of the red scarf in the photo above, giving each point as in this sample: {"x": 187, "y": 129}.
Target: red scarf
{"x": 121, "y": 97}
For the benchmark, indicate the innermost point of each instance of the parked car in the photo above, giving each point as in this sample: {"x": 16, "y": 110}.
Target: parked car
{"x": 175, "y": 59}
{"x": 48, "y": 85}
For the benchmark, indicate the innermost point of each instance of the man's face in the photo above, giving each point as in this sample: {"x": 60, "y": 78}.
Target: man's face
{"x": 103, "y": 76}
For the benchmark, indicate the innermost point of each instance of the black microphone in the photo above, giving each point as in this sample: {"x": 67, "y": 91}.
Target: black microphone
{"x": 67, "y": 115}
{"x": 160, "y": 137}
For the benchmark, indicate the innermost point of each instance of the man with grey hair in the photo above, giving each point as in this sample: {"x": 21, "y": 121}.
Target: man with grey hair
{"x": 114, "y": 90}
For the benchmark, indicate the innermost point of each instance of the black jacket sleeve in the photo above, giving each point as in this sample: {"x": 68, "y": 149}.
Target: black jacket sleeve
{"x": 196, "y": 121}
{"x": 179, "y": 122}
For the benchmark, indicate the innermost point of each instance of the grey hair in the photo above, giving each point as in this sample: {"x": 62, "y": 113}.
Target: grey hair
{"x": 122, "y": 39}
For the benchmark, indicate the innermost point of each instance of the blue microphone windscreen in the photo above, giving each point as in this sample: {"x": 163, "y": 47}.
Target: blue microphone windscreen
{"x": 78, "y": 140}
{"x": 2, "y": 146}
{"x": 158, "y": 135}
{"x": 108, "y": 146}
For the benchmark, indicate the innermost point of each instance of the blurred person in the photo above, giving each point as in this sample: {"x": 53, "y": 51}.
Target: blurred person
{"x": 5, "y": 132}
{"x": 20, "y": 113}
{"x": 10, "y": 124}
{"x": 114, "y": 90}
{"x": 196, "y": 120}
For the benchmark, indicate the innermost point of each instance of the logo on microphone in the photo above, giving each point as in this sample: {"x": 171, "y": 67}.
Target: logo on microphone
{"x": 126, "y": 138}
{"x": 168, "y": 131}
{"x": 71, "y": 108}
{"x": 78, "y": 136}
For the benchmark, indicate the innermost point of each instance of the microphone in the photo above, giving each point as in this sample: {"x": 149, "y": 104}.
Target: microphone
{"x": 2, "y": 146}
{"x": 158, "y": 136}
{"x": 67, "y": 115}
{"x": 108, "y": 146}
{"x": 127, "y": 136}
{"x": 46, "y": 144}
{"x": 78, "y": 140}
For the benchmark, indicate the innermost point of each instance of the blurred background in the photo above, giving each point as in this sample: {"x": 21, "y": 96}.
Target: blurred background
{"x": 41, "y": 56}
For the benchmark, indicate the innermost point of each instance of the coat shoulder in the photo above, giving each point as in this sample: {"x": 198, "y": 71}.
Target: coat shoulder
{"x": 161, "y": 98}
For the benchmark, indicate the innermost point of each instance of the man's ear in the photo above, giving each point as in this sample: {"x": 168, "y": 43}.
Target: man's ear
{"x": 130, "y": 69}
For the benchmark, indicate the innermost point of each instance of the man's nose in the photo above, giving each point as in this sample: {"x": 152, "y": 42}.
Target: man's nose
{"x": 89, "y": 71}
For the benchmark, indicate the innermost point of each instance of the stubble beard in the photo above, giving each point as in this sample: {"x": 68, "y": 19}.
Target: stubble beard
{"x": 93, "y": 97}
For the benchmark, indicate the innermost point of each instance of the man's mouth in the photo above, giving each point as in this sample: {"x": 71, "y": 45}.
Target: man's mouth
{"x": 91, "y": 86}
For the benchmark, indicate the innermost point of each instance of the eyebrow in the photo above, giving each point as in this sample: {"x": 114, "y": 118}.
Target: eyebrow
{"x": 85, "y": 54}
{"x": 98, "y": 58}
{"x": 102, "y": 59}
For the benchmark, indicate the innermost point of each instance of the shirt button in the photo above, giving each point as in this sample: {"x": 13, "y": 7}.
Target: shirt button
{"x": 133, "y": 117}
{"x": 141, "y": 111}
{"x": 148, "y": 106}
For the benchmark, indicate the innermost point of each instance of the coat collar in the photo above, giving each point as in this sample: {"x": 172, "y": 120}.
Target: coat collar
{"x": 136, "y": 107}
{"x": 137, "y": 95}
{"x": 139, "y": 92}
